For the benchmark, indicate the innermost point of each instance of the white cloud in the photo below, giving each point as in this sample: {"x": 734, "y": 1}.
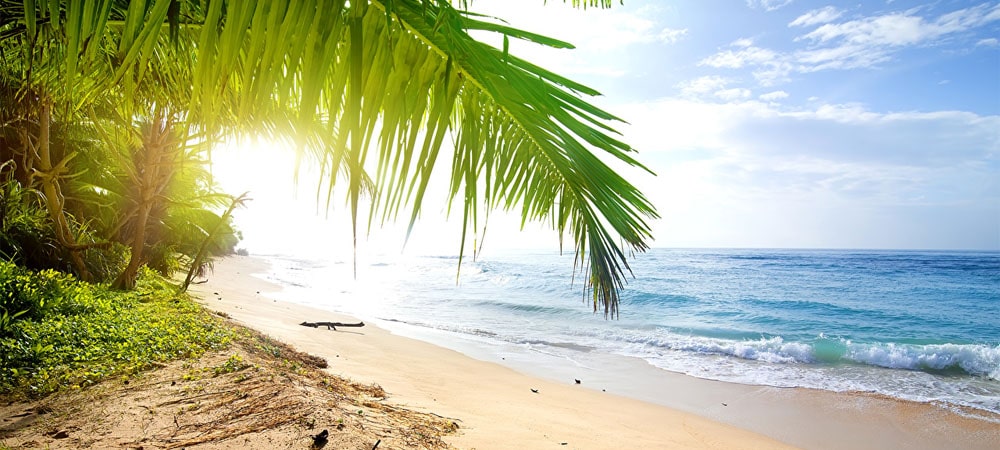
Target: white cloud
{"x": 841, "y": 57}
{"x": 816, "y": 16}
{"x": 768, "y": 5}
{"x": 733, "y": 94}
{"x": 891, "y": 30}
{"x": 624, "y": 30}
{"x": 613, "y": 30}
{"x": 843, "y": 133}
{"x": 964, "y": 19}
{"x": 873, "y": 40}
{"x": 843, "y": 113}
{"x": 827, "y": 176}
{"x": 859, "y": 43}
{"x": 773, "y": 96}
{"x": 596, "y": 34}
{"x": 712, "y": 87}
{"x": 702, "y": 85}
{"x": 769, "y": 67}
{"x": 902, "y": 29}
{"x": 670, "y": 35}
{"x": 745, "y": 56}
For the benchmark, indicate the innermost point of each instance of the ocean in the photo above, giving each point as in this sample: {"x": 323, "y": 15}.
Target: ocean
{"x": 913, "y": 325}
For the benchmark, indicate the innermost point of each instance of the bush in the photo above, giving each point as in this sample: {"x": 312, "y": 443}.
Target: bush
{"x": 105, "y": 264}
{"x": 163, "y": 258}
{"x": 28, "y": 295}
{"x": 26, "y": 235}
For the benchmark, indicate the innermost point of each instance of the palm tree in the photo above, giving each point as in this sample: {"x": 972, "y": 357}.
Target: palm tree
{"x": 376, "y": 86}
{"x": 32, "y": 116}
{"x": 142, "y": 150}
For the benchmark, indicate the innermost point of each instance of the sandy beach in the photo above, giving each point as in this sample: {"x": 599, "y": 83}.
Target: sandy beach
{"x": 498, "y": 407}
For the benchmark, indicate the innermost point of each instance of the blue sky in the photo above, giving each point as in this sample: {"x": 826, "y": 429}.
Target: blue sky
{"x": 793, "y": 123}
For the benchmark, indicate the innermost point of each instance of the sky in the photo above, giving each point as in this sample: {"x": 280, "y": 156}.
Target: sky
{"x": 792, "y": 123}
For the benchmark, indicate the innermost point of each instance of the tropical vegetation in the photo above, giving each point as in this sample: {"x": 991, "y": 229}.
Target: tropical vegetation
{"x": 71, "y": 334}
{"x": 110, "y": 110}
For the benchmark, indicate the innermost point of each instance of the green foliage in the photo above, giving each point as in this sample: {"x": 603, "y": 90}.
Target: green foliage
{"x": 163, "y": 259}
{"x": 27, "y": 295}
{"x": 106, "y": 263}
{"x": 88, "y": 332}
{"x": 28, "y": 239}
{"x": 26, "y": 235}
{"x": 235, "y": 363}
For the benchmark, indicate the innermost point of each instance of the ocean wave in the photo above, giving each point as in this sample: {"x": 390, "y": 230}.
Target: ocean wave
{"x": 523, "y": 307}
{"x": 449, "y": 328}
{"x": 972, "y": 359}
{"x": 821, "y": 309}
{"x": 657, "y": 299}
{"x": 980, "y": 360}
{"x": 566, "y": 345}
{"x": 766, "y": 349}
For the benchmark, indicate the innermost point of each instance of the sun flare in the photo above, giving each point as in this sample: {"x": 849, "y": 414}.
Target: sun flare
{"x": 282, "y": 216}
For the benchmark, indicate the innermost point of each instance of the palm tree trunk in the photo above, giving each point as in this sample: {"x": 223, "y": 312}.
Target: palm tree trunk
{"x": 126, "y": 280}
{"x": 49, "y": 176}
{"x": 153, "y": 172}
{"x": 203, "y": 249}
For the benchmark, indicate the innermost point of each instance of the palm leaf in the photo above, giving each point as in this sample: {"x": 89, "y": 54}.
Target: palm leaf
{"x": 377, "y": 88}
{"x": 524, "y": 139}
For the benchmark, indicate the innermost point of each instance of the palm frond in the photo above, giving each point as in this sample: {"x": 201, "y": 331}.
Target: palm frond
{"x": 524, "y": 139}
{"x": 376, "y": 89}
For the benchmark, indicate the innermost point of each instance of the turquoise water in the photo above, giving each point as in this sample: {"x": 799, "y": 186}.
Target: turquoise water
{"x": 922, "y": 326}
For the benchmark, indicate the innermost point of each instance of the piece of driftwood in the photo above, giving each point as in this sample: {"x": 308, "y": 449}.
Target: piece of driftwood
{"x": 331, "y": 325}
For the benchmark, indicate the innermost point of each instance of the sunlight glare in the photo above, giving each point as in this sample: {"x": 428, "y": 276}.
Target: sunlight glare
{"x": 281, "y": 218}
{"x": 285, "y": 219}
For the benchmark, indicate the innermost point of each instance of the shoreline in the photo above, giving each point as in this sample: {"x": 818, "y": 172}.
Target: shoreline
{"x": 583, "y": 416}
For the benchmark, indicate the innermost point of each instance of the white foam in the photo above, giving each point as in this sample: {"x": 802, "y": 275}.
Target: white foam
{"x": 974, "y": 359}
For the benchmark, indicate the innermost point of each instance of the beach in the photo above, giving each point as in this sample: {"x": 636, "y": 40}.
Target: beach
{"x": 499, "y": 407}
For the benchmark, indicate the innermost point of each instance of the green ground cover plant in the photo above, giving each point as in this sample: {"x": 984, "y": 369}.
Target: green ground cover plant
{"x": 60, "y": 333}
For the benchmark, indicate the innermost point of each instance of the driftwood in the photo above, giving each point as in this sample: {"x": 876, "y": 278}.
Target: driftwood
{"x": 331, "y": 325}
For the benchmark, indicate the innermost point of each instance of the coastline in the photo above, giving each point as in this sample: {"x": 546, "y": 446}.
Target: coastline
{"x": 494, "y": 403}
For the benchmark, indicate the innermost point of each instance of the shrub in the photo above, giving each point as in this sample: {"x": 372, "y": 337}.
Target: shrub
{"x": 105, "y": 264}
{"x": 28, "y": 295}
{"x": 26, "y": 235}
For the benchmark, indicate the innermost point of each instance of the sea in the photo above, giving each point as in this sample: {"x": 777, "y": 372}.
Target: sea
{"x": 914, "y": 325}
